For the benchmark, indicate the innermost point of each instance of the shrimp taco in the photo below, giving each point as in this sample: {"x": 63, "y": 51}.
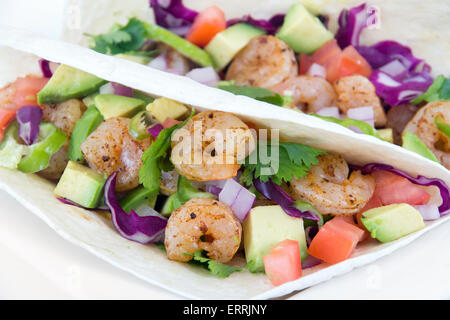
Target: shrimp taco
{"x": 348, "y": 62}
{"x": 164, "y": 177}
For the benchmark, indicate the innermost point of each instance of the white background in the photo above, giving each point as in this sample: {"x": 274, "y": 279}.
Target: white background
{"x": 36, "y": 263}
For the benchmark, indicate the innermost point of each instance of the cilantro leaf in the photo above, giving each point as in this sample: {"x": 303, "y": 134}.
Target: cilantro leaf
{"x": 261, "y": 94}
{"x": 156, "y": 158}
{"x": 293, "y": 160}
{"x": 216, "y": 268}
{"x": 121, "y": 39}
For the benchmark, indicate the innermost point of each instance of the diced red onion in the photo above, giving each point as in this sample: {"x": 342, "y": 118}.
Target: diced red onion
{"x": 351, "y": 23}
{"x": 107, "y": 88}
{"x": 329, "y": 112}
{"x": 45, "y": 68}
{"x": 29, "y": 119}
{"x": 428, "y": 211}
{"x": 122, "y": 90}
{"x": 316, "y": 70}
{"x": 146, "y": 211}
{"x": 155, "y": 129}
{"x": 238, "y": 198}
{"x": 131, "y": 226}
{"x": 159, "y": 63}
{"x": 362, "y": 113}
{"x": 213, "y": 189}
{"x": 207, "y": 76}
{"x": 310, "y": 262}
{"x": 310, "y": 233}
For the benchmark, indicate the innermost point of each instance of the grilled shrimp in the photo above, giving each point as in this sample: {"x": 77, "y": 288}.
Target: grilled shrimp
{"x": 210, "y": 146}
{"x": 64, "y": 115}
{"x": 357, "y": 91}
{"x": 264, "y": 62}
{"x": 423, "y": 126}
{"x": 308, "y": 93}
{"x": 174, "y": 60}
{"x": 328, "y": 188}
{"x": 111, "y": 148}
{"x": 203, "y": 224}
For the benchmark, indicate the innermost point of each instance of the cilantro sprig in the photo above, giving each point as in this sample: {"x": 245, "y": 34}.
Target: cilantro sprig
{"x": 156, "y": 158}
{"x": 216, "y": 268}
{"x": 294, "y": 160}
{"x": 120, "y": 39}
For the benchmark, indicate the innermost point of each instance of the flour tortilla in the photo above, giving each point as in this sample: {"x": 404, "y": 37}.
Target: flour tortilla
{"x": 424, "y": 26}
{"x": 94, "y": 231}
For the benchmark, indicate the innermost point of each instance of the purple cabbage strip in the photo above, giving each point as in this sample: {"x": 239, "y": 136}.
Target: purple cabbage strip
{"x": 71, "y": 203}
{"x": 351, "y": 23}
{"x": 122, "y": 90}
{"x": 270, "y": 26}
{"x": 173, "y": 15}
{"x": 273, "y": 192}
{"x": 393, "y": 90}
{"x": 131, "y": 226}
{"x": 45, "y": 68}
{"x": 29, "y": 119}
{"x": 420, "y": 180}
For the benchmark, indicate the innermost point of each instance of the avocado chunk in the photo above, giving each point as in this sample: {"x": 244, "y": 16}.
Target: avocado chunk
{"x": 163, "y": 108}
{"x": 264, "y": 228}
{"x": 413, "y": 143}
{"x": 392, "y": 222}
{"x": 187, "y": 49}
{"x": 304, "y": 32}
{"x": 68, "y": 83}
{"x": 226, "y": 44}
{"x": 81, "y": 185}
{"x": 113, "y": 106}
{"x": 134, "y": 58}
{"x": 90, "y": 120}
{"x": 386, "y": 134}
{"x": 89, "y": 100}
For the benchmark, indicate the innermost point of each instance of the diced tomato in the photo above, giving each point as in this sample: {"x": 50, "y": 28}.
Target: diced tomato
{"x": 6, "y": 116}
{"x": 207, "y": 24}
{"x": 335, "y": 240}
{"x": 351, "y": 62}
{"x": 338, "y": 63}
{"x": 391, "y": 188}
{"x": 326, "y": 56}
{"x": 169, "y": 122}
{"x": 27, "y": 89}
{"x": 374, "y": 202}
{"x": 284, "y": 263}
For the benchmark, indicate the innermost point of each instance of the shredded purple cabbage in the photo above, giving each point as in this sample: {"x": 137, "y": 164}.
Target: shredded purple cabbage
{"x": 273, "y": 192}
{"x": 71, "y": 203}
{"x": 351, "y": 24}
{"x": 29, "y": 119}
{"x": 144, "y": 229}
{"x": 395, "y": 89}
{"x": 270, "y": 26}
{"x": 45, "y": 68}
{"x": 173, "y": 15}
{"x": 420, "y": 180}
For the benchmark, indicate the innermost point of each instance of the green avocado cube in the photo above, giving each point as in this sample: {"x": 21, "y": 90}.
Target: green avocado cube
{"x": 113, "y": 106}
{"x": 68, "y": 83}
{"x": 392, "y": 222}
{"x": 226, "y": 44}
{"x": 81, "y": 185}
{"x": 264, "y": 228}
{"x": 301, "y": 30}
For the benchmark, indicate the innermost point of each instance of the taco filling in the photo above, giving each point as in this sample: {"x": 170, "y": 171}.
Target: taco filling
{"x": 208, "y": 187}
{"x": 293, "y": 60}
